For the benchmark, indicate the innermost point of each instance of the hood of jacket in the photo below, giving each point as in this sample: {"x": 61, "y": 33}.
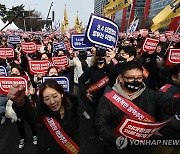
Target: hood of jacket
{"x": 118, "y": 88}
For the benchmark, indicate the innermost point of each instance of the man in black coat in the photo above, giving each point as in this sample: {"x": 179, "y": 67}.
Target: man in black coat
{"x": 130, "y": 86}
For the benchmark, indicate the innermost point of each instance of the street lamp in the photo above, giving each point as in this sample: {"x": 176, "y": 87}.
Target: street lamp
{"x": 30, "y": 16}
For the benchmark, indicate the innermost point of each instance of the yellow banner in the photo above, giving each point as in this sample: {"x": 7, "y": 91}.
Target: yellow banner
{"x": 120, "y": 4}
{"x": 169, "y": 11}
{"x": 163, "y": 23}
{"x": 112, "y": 3}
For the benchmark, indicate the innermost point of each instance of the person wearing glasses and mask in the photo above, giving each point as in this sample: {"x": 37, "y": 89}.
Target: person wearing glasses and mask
{"x": 125, "y": 54}
{"x": 130, "y": 88}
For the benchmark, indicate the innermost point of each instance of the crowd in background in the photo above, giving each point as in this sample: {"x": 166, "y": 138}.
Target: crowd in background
{"x": 87, "y": 67}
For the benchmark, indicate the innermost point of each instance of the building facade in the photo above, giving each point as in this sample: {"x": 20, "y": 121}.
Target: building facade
{"x": 99, "y": 6}
{"x": 145, "y": 10}
{"x": 155, "y": 8}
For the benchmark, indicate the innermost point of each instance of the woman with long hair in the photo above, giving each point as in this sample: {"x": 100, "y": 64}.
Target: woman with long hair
{"x": 57, "y": 117}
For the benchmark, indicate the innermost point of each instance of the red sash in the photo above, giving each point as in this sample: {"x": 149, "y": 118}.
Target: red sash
{"x": 165, "y": 89}
{"x": 176, "y": 95}
{"x": 60, "y": 136}
{"x": 128, "y": 107}
{"x": 98, "y": 85}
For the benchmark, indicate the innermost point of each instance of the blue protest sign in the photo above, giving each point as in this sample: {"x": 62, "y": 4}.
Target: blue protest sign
{"x": 102, "y": 31}
{"x": 78, "y": 42}
{"x": 3, "y": 71}
{"x": 14, "y": 39}
{"x": 59, "y": 46}
{"x": 62, "y": 80}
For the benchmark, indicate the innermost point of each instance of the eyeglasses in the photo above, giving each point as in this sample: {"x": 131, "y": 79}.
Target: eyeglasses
{"x": 132, "y": 78}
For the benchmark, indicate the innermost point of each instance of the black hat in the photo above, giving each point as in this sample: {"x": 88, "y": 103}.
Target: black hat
{"x": 100, "y": 52}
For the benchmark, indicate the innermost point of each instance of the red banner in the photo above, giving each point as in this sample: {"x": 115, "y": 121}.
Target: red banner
{"x": 6, "y": 53}
{"x": 174, "y": 23}
{"x": 28, "y": 47}
{"x": 38, "y": 66}
{"x": 7, "y": 82}
{"x": 60, "y": 61}
{"x": 173, "y": 57}
{"x": 138, "y": 130}
{"x": 150, "y": 45}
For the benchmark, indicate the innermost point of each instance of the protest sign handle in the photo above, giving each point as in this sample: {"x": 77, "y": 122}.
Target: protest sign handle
{"x": 171, "y": 40}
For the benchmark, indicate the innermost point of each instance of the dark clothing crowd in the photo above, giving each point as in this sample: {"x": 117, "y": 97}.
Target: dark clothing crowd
{"x": 141, "y": 77}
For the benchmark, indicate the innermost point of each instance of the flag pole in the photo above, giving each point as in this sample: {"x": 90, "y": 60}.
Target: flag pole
{"x": 172, "y": 39}
{"x": 129, "y": 18}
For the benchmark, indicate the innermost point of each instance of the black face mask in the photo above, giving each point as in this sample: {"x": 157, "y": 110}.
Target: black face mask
{"x": 133, "y": 86}
{"x": 13, "y": 75}
{"x": 54, "y": 75}
{"x": 100, "y": 60}
{"x": 83, "y": 56}
{"x": 121, "y": 59}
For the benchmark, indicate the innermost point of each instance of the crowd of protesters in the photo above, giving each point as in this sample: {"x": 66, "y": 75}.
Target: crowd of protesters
{"x": 121, "y": 68}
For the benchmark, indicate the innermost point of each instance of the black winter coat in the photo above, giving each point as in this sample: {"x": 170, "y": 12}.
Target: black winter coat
{"x": 172, "y": 129}
{"x": 92, "y": 75}
{"x": 70, "y": 124}
{"x": 154, "y": 103}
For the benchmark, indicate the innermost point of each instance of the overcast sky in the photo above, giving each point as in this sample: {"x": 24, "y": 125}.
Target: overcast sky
{"x": 84, "y": 8}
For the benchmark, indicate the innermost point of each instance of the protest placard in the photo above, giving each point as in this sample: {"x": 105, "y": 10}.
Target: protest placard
{"x": 6, "y": 53}
{"x": 62, "y": 80}
{"x": 28, "y": 47}
{"x": 150, "y": 45}
{"x": 7, "y": 82}
{"x": 138, "y": 130}
{"x": 38, "y": 66}
{"x": 78, "y": 42}
{"x": 102, "y": 31}
{"x": 60, "y": 61}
